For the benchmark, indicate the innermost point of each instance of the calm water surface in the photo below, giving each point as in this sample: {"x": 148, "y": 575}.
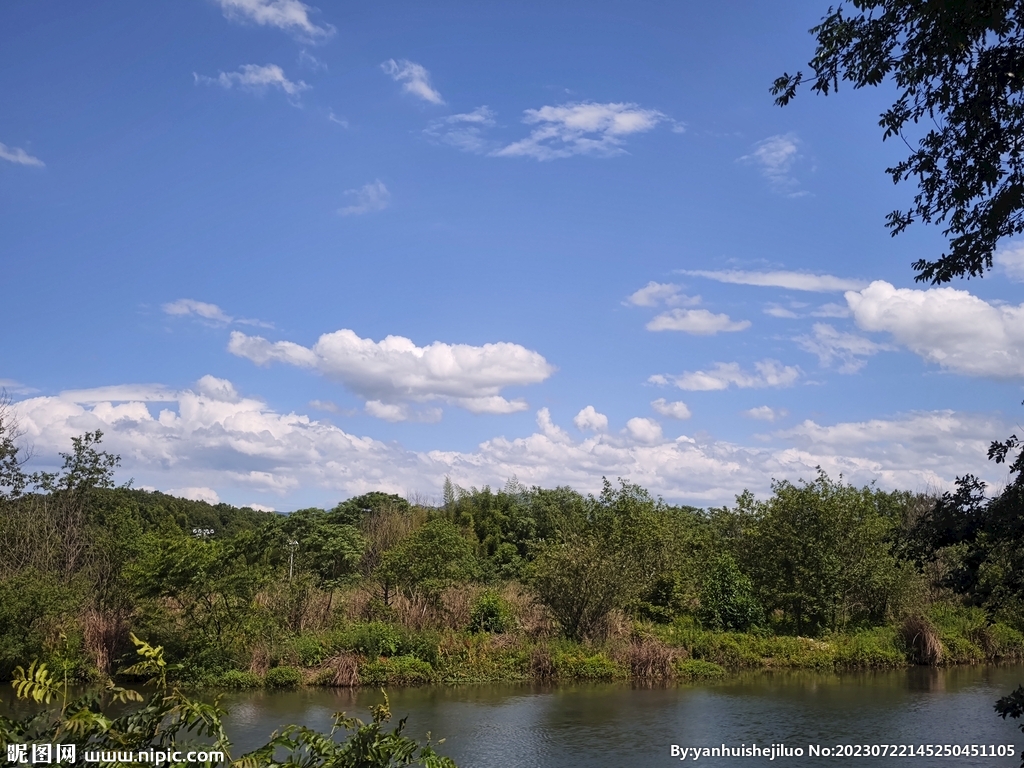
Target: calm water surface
{"x": 609, "y": 726}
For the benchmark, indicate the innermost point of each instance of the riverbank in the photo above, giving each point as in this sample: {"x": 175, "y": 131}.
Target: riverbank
{"x": 380, "y": 654}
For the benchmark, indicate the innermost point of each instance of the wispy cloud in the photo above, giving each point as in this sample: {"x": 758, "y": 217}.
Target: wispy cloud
{"x": 1009, "y": 258}
{"x": 12, "y": 387}
{"x": 794, "y": 281}
{"x": 767, "y": 373}
{"x": 19, "y": 156}
{"x": 699, "y": 322}
{"x": 210, "y": 312}
{"x": 335, "y": 119}
{"x": 368, "y": 198}
{"x": 464, "y": 131}
{"x": 581, "y": 128}
{"x": 256, "y": 79}
{"x": 831, "y": 346}
{"x": 289, "y": 15}
{"x": 775, "y": 156}
{"x": 414, "y": 78}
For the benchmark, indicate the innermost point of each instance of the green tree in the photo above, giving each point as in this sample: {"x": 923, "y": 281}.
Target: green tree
{"x": 958, "y": 69}
{"x": 821, "y": 553}
{"x": 428, "y": 561}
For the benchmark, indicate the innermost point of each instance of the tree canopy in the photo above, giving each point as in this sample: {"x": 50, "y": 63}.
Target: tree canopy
{"x": 958, "y": 68}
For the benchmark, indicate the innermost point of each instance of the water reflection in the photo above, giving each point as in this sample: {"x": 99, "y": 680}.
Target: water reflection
{"x": 616, "y": 725}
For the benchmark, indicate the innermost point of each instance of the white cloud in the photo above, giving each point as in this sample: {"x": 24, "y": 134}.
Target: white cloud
{"x": 414, "y": 78}
{"x": 255, "y": 78}
{"x": 699, "y": 322}
{"x": 240, "y": 446}
{"x": 464, "y": 131}
{"x": 774, "y": 310}
{"x": 122, "y": 393}
{"x": 289, "y": 15}
{"x": 199, "y": 308}
{"x": 776, "y": 156}
{"x": 831, "y": 310}
{"x": 395, "y": 370}
{"x": 202, "y": 493}
{"x": 581, "y": 128}
{"x": 655, "y": 294}
{"x": 768, "y": 373}
{"x": 953, "y": 328}
{"x": 1010, "y": 258}
{"x": 589, "y": 420}
{"x": 644, "y": 430}
{"x": 19, "y": 156}
{"x": 260, "y": 507}
{"x": 12, "y": 387}
{"x": 674, "y": 410}
{"x": 335, "y": 119}
{"x": 766, "y": 413}
{"x": 794, "y": 281}
{"x": 207, "y": 311}
{"x": 832, "y": 346}
{"x": 369, "y": 197}
{"x": 387, "y": 411}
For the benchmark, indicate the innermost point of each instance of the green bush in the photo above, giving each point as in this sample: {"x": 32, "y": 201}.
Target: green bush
{"x": 310, "y": 650}
{"x": 727, "y": 598}
{"x": 237, "y": 680}
{"x": 577, "y": 664}
{"x": 698, "y": 669}
{"x": 397, "y": 670}
{"x": 283, "y": 677}
{"x": 373, "y": 639}
{"x": 491, "y": 613}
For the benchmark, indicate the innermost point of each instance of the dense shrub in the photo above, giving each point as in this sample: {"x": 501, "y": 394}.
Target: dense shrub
{"x": 283, "y": 677}
{"x": 491, "y": 613}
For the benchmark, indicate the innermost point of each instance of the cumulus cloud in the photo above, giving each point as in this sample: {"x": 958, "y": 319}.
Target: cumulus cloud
{"x": 368, "y": 198}
{"x": 644, "y": 430}
{"x": 673, "y": 410}
{"x": 656, "y": 294}
{"x": 794, "y": 281}
{"x": 589, "y": 420}
{"x": 396, "y": 371}
{"x": 775, "y": 157}
{"x": 581, "y": 128}
{"x": 414, "y": 79}
{"x": 1009, "y": 258}
{"x": 765, "y": 413}
{"x": 952, "y": 328}
{"x": 464, "y": 131}
{"x": 239, "y": 446}
{"x": 832, "y": 346}
{"x": 256, "y": 79}
{"x": 767, "y": 373}
{"x": 19, "y": 156}
{"x": 699, "y": 322}
{"x": 289, "y": 15}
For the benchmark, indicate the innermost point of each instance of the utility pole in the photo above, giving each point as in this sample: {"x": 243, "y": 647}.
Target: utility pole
{"x": 291, "y": 558}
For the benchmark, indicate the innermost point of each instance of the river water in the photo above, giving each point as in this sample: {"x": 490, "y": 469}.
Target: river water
{"x": 611, "y": 726}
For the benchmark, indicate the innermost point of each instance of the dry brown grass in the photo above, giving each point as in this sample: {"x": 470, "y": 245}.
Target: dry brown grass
{"x": 542, "y": 665}
{"x": 341, "y": 671}
{"x": 922, "y": 640}
{"x": 259, "y": 662}
{"x": 648, "y": 659}
{"x": 531, "y": 616}
{"x": 105, "y": 636}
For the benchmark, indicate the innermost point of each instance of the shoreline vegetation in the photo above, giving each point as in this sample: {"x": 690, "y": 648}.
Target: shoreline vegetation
{"x": 520, "y": 584}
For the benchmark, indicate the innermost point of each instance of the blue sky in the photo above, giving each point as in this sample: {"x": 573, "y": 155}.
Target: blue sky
{"x": 285, "y": 253}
